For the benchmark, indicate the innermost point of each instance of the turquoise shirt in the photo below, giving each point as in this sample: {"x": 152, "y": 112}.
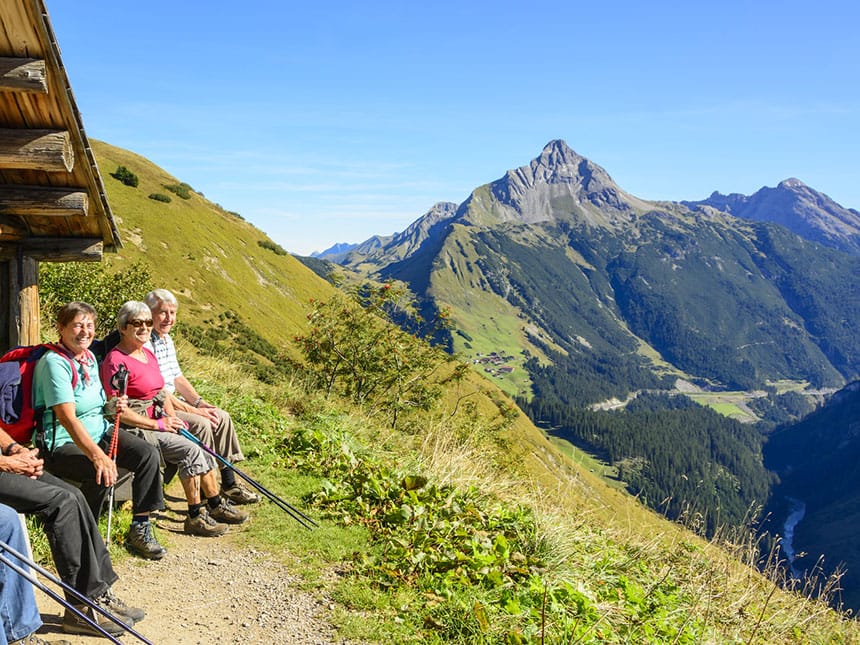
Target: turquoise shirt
{"x": 52, "y": 385}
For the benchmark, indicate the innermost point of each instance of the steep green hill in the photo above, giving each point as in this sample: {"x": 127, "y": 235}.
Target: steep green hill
{"x": 211, "y": 258}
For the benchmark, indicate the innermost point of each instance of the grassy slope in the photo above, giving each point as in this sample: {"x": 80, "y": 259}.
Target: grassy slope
{"x": 211, "y": 259}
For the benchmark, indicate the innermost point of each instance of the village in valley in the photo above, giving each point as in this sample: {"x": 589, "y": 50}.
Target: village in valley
{"x": 494, "y": 363}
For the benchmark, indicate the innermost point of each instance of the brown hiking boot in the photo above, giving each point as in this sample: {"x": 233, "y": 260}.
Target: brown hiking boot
{"x": 240, "y": 495}
{"x": 227, "y": 513}
{"x": 203, "y": 525}
{"x": 73, "y": 624}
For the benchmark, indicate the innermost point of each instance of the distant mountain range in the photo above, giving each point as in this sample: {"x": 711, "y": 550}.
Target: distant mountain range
{"x": 555, "y": 258}
{"x": 571, "y": 293}
{"x": 799, "y": 208}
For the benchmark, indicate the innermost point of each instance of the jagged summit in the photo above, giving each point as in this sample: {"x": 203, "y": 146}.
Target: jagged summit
{"x": 557, "y": 184}
{"x": 803, "y": 210}
{"x": 791, "y": 182}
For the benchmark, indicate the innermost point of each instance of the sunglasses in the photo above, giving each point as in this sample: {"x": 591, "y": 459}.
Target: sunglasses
{"x": 137, "y": 323}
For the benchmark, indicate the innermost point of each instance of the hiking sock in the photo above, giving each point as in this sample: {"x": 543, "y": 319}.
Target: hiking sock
{"x": 194, "y": 510}
{"x": 228, "y": 478}
{"x": 214, "y": 502}
{"x": 140, "y": 519}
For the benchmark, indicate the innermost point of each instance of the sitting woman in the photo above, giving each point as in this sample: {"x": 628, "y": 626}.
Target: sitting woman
{"x": 150, "y": 413}
{"x": 77, "y": 436}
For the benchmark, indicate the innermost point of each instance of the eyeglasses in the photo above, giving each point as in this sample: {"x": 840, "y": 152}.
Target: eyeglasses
{"x": 137, "y": 323}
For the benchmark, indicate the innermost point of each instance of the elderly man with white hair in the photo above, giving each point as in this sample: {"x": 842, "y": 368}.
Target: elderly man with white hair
{"x": 212, "y": 425}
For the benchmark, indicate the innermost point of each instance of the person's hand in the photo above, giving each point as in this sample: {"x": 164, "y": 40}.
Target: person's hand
{"x": 105, "y": 468}
{"x": 208, "y": 412}
{"x": 121, "y": 404}
{"x": 171, "y": 424}
{"x": 23, "y": 462}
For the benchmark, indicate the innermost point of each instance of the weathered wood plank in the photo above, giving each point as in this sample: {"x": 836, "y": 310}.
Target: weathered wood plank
{"x": 43, "y": 200}
{"x": 23, "y": 75}
{"x": 12, "y": 229}
{"x": 55, "y": 249}
{"x": 48, "y": 150}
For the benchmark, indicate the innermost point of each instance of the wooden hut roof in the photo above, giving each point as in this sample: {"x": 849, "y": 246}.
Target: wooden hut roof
{"x": 52, "y": 200}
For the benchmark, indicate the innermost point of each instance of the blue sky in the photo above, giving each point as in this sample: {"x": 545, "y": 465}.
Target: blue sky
{"x": 333, "y": 121}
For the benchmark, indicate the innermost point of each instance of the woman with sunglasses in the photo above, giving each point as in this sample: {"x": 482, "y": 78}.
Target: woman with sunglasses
{"x": 77, "y": 436}
{"x": 150, "y": 414}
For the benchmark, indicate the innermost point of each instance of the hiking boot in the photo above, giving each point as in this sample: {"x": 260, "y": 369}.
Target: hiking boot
{"x": 203, "y": 525}
{"x": 115, "y": 605}
{"x": 240, "y": 495}
{"x": 33, "y": 639}
{"x": 142, "y": 542}
{"x": 73, "y": 624}
{"x": 227, "y": 513}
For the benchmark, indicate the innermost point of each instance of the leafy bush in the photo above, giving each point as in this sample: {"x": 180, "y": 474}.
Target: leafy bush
{"x": 271, "y": 246}
{"x": 182, "y": 190}
{"x": 355, "y": 351}
{"x": 92, "y": 282}
{"x": 158, "y": 197}
{"x": 126, "y": 176}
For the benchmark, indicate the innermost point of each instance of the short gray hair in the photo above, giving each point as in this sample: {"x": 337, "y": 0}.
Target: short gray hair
{"x": 157, "y": 296}
{"x": 129, "y": 310}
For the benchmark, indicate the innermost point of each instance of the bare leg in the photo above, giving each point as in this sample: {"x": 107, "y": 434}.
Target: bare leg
{"x": 209, "y": 484}
{"x": 191, "y": 486}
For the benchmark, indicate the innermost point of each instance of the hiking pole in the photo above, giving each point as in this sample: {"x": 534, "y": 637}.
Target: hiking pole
{"x": 289, "y": 509}
{"x": 119, "y": 382}
{"x": 29, "y": 577}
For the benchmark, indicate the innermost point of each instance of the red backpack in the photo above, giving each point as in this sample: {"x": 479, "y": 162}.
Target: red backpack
{"x": 18, "y": 417}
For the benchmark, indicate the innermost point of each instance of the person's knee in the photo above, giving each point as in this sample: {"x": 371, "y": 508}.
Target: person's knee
{"x": 150, "y": 458}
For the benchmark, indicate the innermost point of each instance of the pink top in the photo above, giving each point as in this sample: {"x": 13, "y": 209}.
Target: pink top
{"x": 144, "y": 378}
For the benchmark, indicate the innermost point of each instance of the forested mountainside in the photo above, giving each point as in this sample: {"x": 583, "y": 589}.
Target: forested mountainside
{"x": 818, "y": 462}
{"x": 572, "y": 293}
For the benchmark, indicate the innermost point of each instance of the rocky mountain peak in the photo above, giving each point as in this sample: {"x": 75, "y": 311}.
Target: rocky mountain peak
{"x": 559, "y": 183}
{"x": 803, "y": 210}
{"x": 791, "y": 182}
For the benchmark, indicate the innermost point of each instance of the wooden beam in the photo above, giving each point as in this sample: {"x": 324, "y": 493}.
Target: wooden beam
{"x": 43, "y": 200}
{"x": 24, "y": 301}
{"x": 56, "y": 249}
{"x": 48, "y": 150}
{"x": 23, "y": 75}
{"x": 12, "y": 229}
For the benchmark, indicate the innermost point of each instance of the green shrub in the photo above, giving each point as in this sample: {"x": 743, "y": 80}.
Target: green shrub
{"x": 126, "y": 176}
{"x": 92, "y": 282}
{"x": 182, "y": 190}
{"x": 355, "y": 351}
{"x": 158, "y": 197}
{"x": 271, "y": 246}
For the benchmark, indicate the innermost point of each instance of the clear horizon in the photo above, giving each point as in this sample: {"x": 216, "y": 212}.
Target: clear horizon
{"x": 332, "y": 123}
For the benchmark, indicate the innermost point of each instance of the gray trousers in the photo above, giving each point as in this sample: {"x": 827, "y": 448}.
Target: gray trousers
{"x": 222, "y": 438}
{"x": 190, "y": 459}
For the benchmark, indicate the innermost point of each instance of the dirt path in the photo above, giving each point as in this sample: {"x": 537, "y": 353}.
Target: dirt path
{"x": 209, "y": 591}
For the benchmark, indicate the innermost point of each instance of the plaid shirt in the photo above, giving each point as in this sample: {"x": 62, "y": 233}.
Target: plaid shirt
{"x": 165, "y": 352}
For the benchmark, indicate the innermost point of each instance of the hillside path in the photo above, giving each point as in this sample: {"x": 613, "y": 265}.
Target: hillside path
{"x": 209, "y": 591}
